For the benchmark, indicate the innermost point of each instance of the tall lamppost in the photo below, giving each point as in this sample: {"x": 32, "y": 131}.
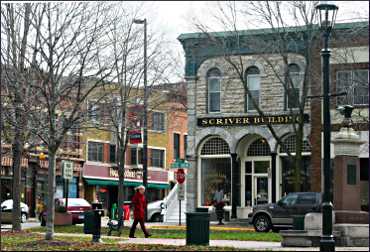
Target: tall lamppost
{"x": 327, "y": 13}
{"x": 145, "y": 127}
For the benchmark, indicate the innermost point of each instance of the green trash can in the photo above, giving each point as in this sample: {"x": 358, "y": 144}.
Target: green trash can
{"x": 197, "y": 228}
{"x": 298, "y": 222}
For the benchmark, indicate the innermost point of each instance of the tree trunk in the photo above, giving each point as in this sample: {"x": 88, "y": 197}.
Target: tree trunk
{"x": 51, "y": 189}
{"x": 298, "y": 166}
{"x": 17, "y": 155}
{"x": 121, "y": 177}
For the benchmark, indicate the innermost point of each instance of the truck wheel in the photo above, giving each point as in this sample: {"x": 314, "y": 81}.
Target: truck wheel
{"x": 262, "y": 223}
{"x": 157, "y": 218}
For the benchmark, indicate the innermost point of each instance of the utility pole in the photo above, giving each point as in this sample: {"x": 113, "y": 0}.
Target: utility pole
{"x": 145, "y": 121}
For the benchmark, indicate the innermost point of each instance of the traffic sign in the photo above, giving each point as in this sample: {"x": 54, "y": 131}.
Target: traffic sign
{"x": 180, "y": 176}
{"x": 181, "y": 191}
{"x": 67, "y": 169}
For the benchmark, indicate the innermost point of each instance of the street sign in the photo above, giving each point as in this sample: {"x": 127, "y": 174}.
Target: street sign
{"x": 180, "y": 176}
{"x": 67, "y": 169}
{"x": 181, "y": 191}
{"x": 135, "y": 136}
{"x": 180, "y": 163}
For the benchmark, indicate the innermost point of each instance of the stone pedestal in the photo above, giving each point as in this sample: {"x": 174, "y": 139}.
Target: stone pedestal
{"x": 346, "y": 172}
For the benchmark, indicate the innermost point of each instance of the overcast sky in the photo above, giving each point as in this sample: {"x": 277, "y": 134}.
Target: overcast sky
{"x": 175, "y": 17}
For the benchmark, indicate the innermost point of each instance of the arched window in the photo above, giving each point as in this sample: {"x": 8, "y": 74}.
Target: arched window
{"x": 293, "y": 86}
{"x": 214, "y": 90}
{"x": 259, "y": 147}
{"x": 252, "y": 76}
{"x": 215, "y": 146}
{"x": 290, "y": 142}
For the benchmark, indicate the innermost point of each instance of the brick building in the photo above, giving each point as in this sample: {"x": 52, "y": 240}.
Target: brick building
{"x": 167, "y": 130}
{"x": 231, "y": 144}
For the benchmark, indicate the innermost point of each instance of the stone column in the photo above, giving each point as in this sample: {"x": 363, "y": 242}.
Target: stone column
{"x": 235, "y": 187}
{"x": 346, "y": 190}
{"x": 273, "y": 177}
{"x": 191, "y": 155}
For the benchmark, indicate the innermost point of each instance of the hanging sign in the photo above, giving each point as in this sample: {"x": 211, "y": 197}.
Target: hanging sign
{"x": 135, "y": 136}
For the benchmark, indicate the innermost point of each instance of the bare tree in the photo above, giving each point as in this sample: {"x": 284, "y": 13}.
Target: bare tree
{"x": 277, "y": 48}
{"x": 123, "y": 107}
{"x": 16, "y": 90}
{"x": 68, "y": 66}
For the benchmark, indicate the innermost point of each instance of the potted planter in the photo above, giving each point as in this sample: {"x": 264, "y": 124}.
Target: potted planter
{"x": 62, "y": 217}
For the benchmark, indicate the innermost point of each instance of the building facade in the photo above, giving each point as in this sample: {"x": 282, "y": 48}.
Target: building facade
{"x": 167, "y": 128}
{"x": 231, "y": 143}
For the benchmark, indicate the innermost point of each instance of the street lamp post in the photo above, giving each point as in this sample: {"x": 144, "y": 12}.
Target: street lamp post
{"x": 145, "y": 127}
{"x": 327, "y": 14}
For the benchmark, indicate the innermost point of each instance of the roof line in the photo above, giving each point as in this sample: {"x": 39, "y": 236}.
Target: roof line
{"x": 198, "y": 35}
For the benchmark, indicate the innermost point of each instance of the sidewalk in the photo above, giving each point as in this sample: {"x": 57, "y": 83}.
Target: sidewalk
{"x": 229, "y": 226}
{"x": 257, "y": 245}
{"x": 253, "y": 245}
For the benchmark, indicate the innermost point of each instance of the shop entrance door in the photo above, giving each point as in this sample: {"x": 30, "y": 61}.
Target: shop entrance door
{"x": 260, "y": 190}
{"x": 256, "y": 181}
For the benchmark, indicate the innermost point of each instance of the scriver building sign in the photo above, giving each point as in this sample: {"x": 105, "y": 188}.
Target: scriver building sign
{"x": 250, "y": 120}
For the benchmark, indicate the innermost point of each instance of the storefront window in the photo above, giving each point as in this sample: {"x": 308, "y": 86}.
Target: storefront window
{"x": 288, "y": 175}
{"x": 215, "y": 172}
{"x": 72, "y": 188}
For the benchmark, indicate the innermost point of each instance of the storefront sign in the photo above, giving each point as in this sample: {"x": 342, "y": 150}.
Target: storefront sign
{"x": 108, "y": 172}
{"x": 250, "y": 120}
{"x": 129, "y": 174}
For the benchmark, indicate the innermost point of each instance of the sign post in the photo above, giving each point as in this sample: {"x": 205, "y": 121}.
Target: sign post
{"x": 67, "y": 171}
{"x": 180, "y": 177}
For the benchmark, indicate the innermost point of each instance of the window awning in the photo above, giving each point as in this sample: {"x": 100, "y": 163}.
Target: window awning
{"x": 102, "y": 182}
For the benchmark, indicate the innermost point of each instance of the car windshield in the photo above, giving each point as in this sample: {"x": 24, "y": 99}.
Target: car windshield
{"x": 74, "y": 202}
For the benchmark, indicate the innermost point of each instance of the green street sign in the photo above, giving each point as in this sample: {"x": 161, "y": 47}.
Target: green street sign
{"x": 180, "y": 163}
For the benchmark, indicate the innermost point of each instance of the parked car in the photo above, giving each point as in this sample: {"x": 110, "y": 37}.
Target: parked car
{"x": 155, "y": 210}
{"x": 280, "y": 215}
{"x": 76, "y": 206}
{"x": 6, "y": 211}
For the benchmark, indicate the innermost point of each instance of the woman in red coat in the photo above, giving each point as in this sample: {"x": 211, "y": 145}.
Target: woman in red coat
{"x": 139, "y": 203}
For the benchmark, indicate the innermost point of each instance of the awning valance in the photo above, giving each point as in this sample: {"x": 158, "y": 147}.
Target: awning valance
{"x": 103, "y": 182}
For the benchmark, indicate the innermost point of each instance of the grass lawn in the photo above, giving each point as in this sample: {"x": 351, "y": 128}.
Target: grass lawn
{"x": 27, "y": 241}
{"x": 176, "y": 233}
